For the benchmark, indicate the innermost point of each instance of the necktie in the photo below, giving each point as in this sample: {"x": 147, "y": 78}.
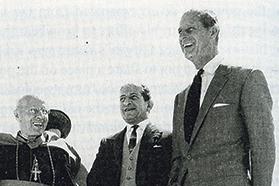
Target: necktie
{"x": 133, "y": 138}
{"x": 192, "y": 105}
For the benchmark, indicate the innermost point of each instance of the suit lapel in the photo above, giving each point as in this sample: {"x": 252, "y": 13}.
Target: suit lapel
{"x": 180, "y": 118}
{"x": 216, "y": 85}
{"x": 118, "y": 147}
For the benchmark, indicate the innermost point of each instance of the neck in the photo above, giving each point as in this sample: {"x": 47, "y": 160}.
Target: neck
{"x": 28, "y": 136}
{"x": 205, "y": 59}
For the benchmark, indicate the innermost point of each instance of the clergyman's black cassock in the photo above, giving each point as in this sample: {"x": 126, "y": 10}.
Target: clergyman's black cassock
{"x": 11, "y": 148}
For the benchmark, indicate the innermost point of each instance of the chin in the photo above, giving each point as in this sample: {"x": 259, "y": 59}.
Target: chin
{"x": 39, "y": 133}
{"x": 128, "y": 120}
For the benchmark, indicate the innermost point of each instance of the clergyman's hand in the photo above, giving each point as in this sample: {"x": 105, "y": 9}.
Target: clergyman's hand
{"x": 52, "y": 135}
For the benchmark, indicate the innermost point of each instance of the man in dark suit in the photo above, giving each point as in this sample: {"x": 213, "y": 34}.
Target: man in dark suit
{"x": 222, "y": 123}
{"x": 140, "y": 154}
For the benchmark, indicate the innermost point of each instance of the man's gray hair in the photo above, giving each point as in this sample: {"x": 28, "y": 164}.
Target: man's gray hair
{"x": 25, "y": 99}
{"x": 145, "y": 92}
{"x": 207, "y": 18}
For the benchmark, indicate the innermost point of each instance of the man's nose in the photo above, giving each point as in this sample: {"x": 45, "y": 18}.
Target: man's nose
{"x": 127, "y": 102}
{"x": 40, "y": 115}
{"x": 184, "y": 35}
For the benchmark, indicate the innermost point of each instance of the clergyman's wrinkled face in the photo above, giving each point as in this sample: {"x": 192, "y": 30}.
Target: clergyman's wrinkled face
{"x": 132, "y": 105}
{"x": 32, "y": 116}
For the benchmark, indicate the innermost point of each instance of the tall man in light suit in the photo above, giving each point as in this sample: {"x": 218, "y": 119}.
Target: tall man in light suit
{"x": 140, "y": 154}
{"x": 222, "y": 123}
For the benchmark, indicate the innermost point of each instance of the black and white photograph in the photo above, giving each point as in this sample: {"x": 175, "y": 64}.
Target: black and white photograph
{"x": 139, "y": 93}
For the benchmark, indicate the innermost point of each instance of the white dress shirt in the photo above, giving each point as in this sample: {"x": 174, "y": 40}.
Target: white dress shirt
{"x": 140, "y": 130}
{"x": 208, "y": 74}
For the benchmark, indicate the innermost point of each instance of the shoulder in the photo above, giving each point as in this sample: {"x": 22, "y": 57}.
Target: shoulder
{"x": 7, "y": 139}
{"x": 180, "y": 96}
{"x": 242, "y": 73}
{"x": 236, "y": 71}
{"x": 247, "y": 75}
{"x": 63, "y": 145}
{"x": 110, "y": 139}
{"x": 116, "y": 135}
{"x": 181, "y": 93}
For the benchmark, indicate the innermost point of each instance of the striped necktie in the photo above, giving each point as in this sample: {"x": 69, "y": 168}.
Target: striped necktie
{"x": 133, "y": 138}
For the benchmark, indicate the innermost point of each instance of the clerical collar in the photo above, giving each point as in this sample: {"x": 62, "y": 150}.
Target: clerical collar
{"x": 34, "y": 143}
{"x": 213, "y": 64}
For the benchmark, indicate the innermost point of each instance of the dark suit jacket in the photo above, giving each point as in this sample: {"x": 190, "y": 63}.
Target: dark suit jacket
{"x": 233, "y": 133}
{"x": 153, "y": 163}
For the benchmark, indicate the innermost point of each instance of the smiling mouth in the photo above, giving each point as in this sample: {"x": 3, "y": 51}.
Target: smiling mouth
{"x": 187, "y": 45}
{"x": 128, "y": 109}
{"x": 38, "y": 124}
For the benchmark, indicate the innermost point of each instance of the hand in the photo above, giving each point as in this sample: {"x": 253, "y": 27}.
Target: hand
{"x": 52, "y": 135}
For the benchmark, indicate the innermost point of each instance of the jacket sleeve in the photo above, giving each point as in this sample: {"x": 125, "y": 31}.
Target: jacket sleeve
{"x": 163, "y": 160}
{"x": 256, "y": 105}
{"x": 75, "y": 161}
{"x": 176, "y": 157}
{"x": 97, "y": 172}
{"x": 79, "y": 171}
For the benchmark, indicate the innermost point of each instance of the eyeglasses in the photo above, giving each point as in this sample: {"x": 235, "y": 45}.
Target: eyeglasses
{"x": 37, "y": 110}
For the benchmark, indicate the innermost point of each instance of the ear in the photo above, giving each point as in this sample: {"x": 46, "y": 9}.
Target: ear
{"x": 16, "y": 115}
{"x": 149, "y": 105}
{"x": 214, "y": 31}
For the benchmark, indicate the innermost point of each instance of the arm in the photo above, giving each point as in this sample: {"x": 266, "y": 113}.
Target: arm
{"x": 175, "y": 160}
{"x": 73, "y": 160}
{"x": 96, "y": 175}
{"x": 78, "y": 171}
{"x": 166, "y": 161}
{"x": 159, "y": 160}
{"x": 256, "y": 105}
{"x": 81, "y": 176}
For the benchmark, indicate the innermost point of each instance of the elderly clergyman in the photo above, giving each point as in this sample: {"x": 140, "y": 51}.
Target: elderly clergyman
{"x": 222, "y": 123}
{"x": 28, "y": 157}
{"x": 139, "y": 155}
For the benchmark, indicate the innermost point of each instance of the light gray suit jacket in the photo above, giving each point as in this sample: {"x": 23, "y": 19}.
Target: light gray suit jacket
{"x": 232, "y": 142}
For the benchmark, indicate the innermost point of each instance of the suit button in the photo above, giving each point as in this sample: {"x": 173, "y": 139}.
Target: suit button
{"x": 189, "y": 157}
{"x": 129, "y": 168}
{"x": 128, "y": 178}
{"x": 131, "y": 158}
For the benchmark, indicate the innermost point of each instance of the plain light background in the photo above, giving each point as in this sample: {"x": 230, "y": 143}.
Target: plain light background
{"x": 75, "y": 55}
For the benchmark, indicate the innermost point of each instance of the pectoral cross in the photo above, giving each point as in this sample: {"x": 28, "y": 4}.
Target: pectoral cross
{"x": 35, "y": 169}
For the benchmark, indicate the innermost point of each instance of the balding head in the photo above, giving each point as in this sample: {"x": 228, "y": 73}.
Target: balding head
{"x": 32, "y": 115}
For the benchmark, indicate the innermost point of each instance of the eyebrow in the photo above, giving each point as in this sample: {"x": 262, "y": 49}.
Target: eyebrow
{"x": 132, "y": 94}
{"x": 189, "y": 27}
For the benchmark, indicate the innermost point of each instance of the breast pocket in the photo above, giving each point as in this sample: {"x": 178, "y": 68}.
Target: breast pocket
{"x": 221, "y": 122}
{"x": 222, "y": 111}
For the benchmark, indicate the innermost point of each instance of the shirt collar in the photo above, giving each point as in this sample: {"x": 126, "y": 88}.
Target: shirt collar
{"x": 141, "y": 125}
{"x": 213, "y": 64}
